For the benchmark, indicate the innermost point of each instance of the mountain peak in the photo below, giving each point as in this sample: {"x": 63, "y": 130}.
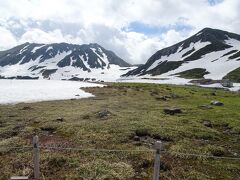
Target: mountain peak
{"x": 44, "y": 60}
{"x": 210, "y": 34}
{"x": 212, "y": 52}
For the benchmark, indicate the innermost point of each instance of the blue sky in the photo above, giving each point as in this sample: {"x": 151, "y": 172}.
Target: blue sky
{"x": 154, "y": 30}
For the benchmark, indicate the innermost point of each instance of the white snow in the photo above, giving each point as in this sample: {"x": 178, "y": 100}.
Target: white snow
{"x": 17, "y": 91}
{"x": 236, "y": 87}
{"x": 23, "y": 49}
{"x": 156, "y": 80}
{"x": 217, "y": 69}
{"x": 233, "y": 42}
{"x": 178, "y": 55}
{"x": 49, "y": 48}
{"x": 36, "y": 48}
{"x": 107, "y": 75}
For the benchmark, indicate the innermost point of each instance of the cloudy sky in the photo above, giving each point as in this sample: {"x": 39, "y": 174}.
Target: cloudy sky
{"x": 133, "y": 29}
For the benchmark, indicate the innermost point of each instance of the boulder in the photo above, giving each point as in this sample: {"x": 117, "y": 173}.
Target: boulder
{"x": 172, "y": 111}
{"x": 162, "y": 98}
{"x": 26, "y": 108}
{"x": 217, "y": 103}
{"x": 207, "y": 123}
{"x": 60, "y": 119}
{"x": 136, "y": 138}
{"x": 103, "y": 114}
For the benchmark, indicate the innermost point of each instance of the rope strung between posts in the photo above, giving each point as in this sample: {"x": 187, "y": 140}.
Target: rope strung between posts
{"x": 123, "y": 150}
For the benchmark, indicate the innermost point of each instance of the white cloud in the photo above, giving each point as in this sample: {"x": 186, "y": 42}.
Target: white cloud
{"x": 39, "y": 36}
{"x": 102, "y": 21}
{"x": 7, "y": 40}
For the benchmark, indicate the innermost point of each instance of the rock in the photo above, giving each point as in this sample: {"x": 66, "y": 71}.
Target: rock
{"x": 137, "y": 177}
{"x": 163, "y": 98}
{"x": 174, "y": 95}
{"x": 207, "y": 123}
{"x": 205, "y": 106}
{"x": 153, "y": 92}
{"x": 172, "y": 111}
{"x": 213, "y": 94}
{"x": 86, "y": 116}
{"x": 103, "y": 114}
{"x": 162, "y": 138}
{"x": 60, "y": 119}
{"x": 142, "y": 132}
{"x": 217, "y": 103}
{"x": 48, "y": 130}
{"x": 136, "y": 138}
{"x": 26, "y": 108}
{"x": 77, "y": 95}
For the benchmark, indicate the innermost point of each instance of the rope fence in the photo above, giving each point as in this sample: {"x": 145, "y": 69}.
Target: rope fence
{"x": 156, "y": 149}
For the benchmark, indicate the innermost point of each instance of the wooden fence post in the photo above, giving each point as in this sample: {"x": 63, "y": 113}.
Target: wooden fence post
{"x": 36, "y": 167}
{"x": 157, "y": 160}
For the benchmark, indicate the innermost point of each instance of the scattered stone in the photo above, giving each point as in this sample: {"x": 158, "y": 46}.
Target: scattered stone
{"x": 26, "y": 108}
{"x": 60, "y": 119}
{"x": 217, "y": 103}
{"x": 205, "y": 106}
{"x": 103, "y": 114}
{"x": 213, "y": 94}
{"x": 207, "y": 123}
{"x": 162, "y": 138}
{"x": 153, "y": 92}
{"x": 136, "y": 138}
{"x": 162, "y": 98}
{"x": 172, "y": 111}
{"x": 137, "y": 177}
{"x": 86, "y": 116}
{"x": 142, "y": 132}
{"x": 174, "y": 95}
{"x": 47, "y": 130}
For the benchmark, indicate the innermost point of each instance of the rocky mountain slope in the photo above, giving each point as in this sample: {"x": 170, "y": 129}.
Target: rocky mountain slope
{"x": 61, "y": 61}
{"x": 210, "y": 54}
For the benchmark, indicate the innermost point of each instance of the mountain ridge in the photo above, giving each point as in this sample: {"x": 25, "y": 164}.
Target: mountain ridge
{"x": 43, "y": 60}
{"x": 208, "y": 43}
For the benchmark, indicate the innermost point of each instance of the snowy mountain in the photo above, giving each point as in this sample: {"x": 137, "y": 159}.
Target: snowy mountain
{"x": 210, "y": 54}
{"x": 61, "y": 61}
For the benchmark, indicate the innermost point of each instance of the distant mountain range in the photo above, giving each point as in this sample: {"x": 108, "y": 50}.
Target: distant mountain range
{"x": 210, "y": 54}
{"x": 61, "y": 61}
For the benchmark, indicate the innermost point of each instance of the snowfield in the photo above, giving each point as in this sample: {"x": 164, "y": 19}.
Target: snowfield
{"x": 17, "y": 91}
